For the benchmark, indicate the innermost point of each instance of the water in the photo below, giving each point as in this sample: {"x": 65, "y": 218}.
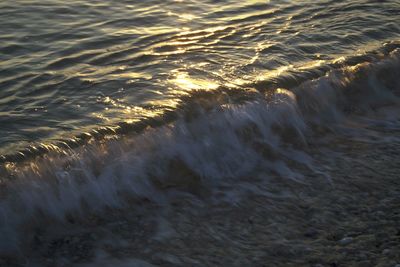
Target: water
{"x": 103, "y": 101}
{"x": 68, "y": 67}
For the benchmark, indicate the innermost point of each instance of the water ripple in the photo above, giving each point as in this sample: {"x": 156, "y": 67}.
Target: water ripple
{"x": 57, "y": 57}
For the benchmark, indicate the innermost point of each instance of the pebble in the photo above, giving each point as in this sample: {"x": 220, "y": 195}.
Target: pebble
{"x": 380, "y": 214}
{"x": 74, "y": 240}
{"x": 167, "y": 258}
{"x": 311, "y": 233}
{"x": 364, "y": 263}
{"x": 363, "y": 256}
{"x": 345, "y": 241}
{"x": 381, "y": 236}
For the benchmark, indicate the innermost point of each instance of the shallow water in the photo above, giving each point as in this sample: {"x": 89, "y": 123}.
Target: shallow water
{"x": 108, "y": 102}
{"x": 68, "y": 67}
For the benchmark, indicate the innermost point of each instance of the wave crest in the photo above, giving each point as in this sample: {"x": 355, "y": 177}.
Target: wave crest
{"x": 213, "y": 138}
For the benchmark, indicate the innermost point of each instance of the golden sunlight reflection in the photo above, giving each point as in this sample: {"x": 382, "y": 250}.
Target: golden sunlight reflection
{"x": 130, "y": 113}
{"x": 183, "y": 17}
{"x": 164, "y": 104}
{"x": 183, "y": 81}
{"x": 282, "y": 91}
{"x": 203, "y": 33}
{"x": 274, "y": 73}
{"x": 281, "y": 70}
{"x": 312, "y": 64}
{"x": 132, "y": 75}
{"x": 142, "y": 30}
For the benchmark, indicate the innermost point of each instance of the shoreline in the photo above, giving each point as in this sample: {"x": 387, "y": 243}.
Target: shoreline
{"x": 263, "y": 221}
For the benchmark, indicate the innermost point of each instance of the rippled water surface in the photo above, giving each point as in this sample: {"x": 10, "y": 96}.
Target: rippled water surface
{"x": 67, "y": 67}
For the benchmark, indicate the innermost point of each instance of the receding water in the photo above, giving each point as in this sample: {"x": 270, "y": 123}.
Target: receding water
{"x": 68, "y": 67}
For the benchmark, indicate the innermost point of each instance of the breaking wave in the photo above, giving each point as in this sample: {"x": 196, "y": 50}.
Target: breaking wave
{"x": 213, "y": 138}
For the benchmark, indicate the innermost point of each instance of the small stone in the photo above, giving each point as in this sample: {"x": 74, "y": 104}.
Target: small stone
{"x": 165, "y": 257}
{"x": 345, "y": 241}
{"x": 92, "y": 236}
{"x": 311, "y": 233}
{"x": 364, "y": 263}
{"x": 380, "y": 213}
{"x": 363, "y": 256}
{"x": 381, "y": 236}
{"x": 386, "y": 251}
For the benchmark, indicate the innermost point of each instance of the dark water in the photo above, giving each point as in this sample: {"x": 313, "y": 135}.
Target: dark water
{"x": 68, "y": 67}
{"x": 103, "y": 101}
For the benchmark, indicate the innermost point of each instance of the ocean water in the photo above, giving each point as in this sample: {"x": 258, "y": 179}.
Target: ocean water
{"x": 103, "y": 101}
{"x": 69, "y": 67}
